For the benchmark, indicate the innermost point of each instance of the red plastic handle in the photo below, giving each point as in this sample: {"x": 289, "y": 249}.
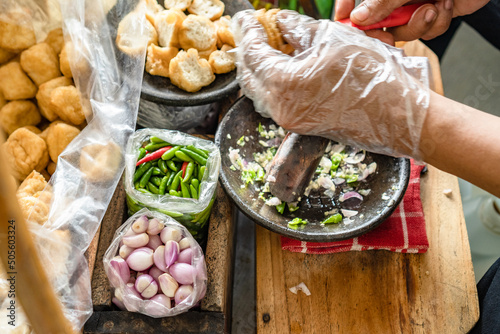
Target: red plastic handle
{"x": 400, "y": 16}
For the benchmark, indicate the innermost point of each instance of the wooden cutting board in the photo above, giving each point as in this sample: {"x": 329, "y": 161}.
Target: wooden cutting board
{"x": 376, "y": 291}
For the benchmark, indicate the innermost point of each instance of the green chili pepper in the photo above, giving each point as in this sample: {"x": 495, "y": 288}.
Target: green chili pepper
{"x": 174, "y": 193}
{"x": 163, "y": 166}
{"x": 195, "y": 183}
{"x": 154, "y": 189}
{"x": 156, "y": 180}
{"x": 153, "y": 147}
{"x": 176, "y": 181}
{"x": 183, "y": 156}
{"x": 144, "y": 191}
{"x": 142, "y": 153}
{"x": 175, "y": 159}
{"x": 352, "y": 178}
{"x": 185, "y": 190}
{"x": 172, "y": 165}
{"x": 157, "y": 171}
{"x": 170, "y": 153}
{"x": 141, "y": 170}
{"x": 170, "y": 179}
{"x": 201, "y": 152}
{"x": 194, "y": 156}
{"x": 194, "y": 193}
{"x": 156, "y": 140}
{"x": 281, "y": 207}
{"x": 145, "y": 178}
{"x": 189, "y": 172}
{"x": 335, "y": 219}
{"x": 336, "y": 160}
{"x": 163, "y": 185}
{"x": 136, "y": 185}
{"x": 201, "y": 173}
{"x": 155, "y": 163}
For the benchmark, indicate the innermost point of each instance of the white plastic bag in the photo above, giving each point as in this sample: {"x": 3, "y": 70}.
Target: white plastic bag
{"x": 192, "y": 213}
{"x": 127, "y": 297}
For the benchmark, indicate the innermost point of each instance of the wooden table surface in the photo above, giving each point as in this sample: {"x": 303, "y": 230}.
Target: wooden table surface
{"x": 376, "y": 291}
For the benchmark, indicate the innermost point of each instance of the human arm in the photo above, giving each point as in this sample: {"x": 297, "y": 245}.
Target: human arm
{"x": 463, "y": 141}
{"x": 429, "y": 21}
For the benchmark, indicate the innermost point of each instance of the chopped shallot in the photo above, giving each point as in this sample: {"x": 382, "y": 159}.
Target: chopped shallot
{"x": 348, "y": 213}
{"x": 302, "y": 287}
{"x": 273, "y": 201}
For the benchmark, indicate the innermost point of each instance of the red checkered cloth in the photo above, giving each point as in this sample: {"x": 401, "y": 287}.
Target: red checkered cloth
{"x": 404, "y": 231}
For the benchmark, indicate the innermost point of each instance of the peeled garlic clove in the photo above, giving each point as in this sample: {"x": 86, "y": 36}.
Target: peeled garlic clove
{"x": 119, "y": 272}
{"x": 170, "y": 233}
{"x": 186, "y": 256}
{"x": 140, "y": 259}
{"x": 155, "y": 227}
{"x": 154, "y": 242}
{"x": 159, "y": 258}
{"x": 171, "y": 252}
{"x": 182, "y": 293}
{"x": 183, "y": 273}
{"x": 168, "y": 285}
{"x": 137, "y": 240}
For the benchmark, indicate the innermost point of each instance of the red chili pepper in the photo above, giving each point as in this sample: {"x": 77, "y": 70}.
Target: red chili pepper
{"x": 183, "y": 168}
{"x": 154, "y": 155}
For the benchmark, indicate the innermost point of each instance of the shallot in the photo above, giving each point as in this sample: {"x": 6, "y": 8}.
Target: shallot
{"x": 168, "y": 284}
{"x": 136, "y": 240}
{"x": 155, "y": 227}
{"x": 183, "y": 273}
{"x": 170, "y": 233}
{"x": 159, "y": 258}
{"x": 182, "y": 293}
{"x": 140, "y": 259}
{"x": 119, "y": 271}
{"x": 146, "y": 286}
{"x": 186, "y": 256}
{"x": 171, "y": 252}
{"x": 140, "y": 225}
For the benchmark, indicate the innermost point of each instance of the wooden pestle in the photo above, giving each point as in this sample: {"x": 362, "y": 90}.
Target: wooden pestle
{"x": 294, "y": 164}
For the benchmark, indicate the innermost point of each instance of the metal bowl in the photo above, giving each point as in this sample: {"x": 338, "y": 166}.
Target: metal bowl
{"x": 160, "y": 90}
{"x": 391, "y": 179}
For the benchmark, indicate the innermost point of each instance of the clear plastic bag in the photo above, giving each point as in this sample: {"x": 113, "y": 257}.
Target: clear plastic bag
{"x": 192, "y": 213}
{"x": 90, "y": 167}
{"x": 128, "y": 298}
{"x": 158, "y": 115}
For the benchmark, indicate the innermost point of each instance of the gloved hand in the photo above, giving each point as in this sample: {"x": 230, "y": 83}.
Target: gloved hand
{"x": 338, "y": 84}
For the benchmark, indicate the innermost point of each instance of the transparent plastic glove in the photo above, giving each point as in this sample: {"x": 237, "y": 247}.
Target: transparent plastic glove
{"x": 338, "y": 84}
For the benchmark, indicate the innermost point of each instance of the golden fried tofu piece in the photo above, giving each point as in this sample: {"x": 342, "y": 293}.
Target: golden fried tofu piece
{"x": 222, "y": 62}
{"x": 128, "y": 37}
{"x": 33, "y": 129}
{"x": 43, "y": 96}
{"x": 2, "y": 100}
{"x": 100, "y": 162}
{"x": 16, "y": 35}
{"x": 5, "y": 55}
{"x": 189, "y": 72}
{"x": 41, "y": 63}
{"x": 59, "y": 136}
{"x": 31, "y": 185}
{"x": 14, "y": 83}
{"x": 206, "y": 53}
{"x": 34, "y": 210}
{"x": 80, "y": 64}
{"x": 24, "y": 152}
{"x": 55, "y": 39}
{"x": 167, "y": 24}
{"x": 17, "y": 114}
{"x": 158, "y": 59}
{"x": 224, "y": 32}
{"x": 51, "y": 167}
{"x": 67, "y": 104}
{"x": 45, "y": 174}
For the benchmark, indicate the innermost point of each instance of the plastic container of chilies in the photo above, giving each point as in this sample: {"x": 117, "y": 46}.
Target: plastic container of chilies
{"x": 190, "y": 212}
